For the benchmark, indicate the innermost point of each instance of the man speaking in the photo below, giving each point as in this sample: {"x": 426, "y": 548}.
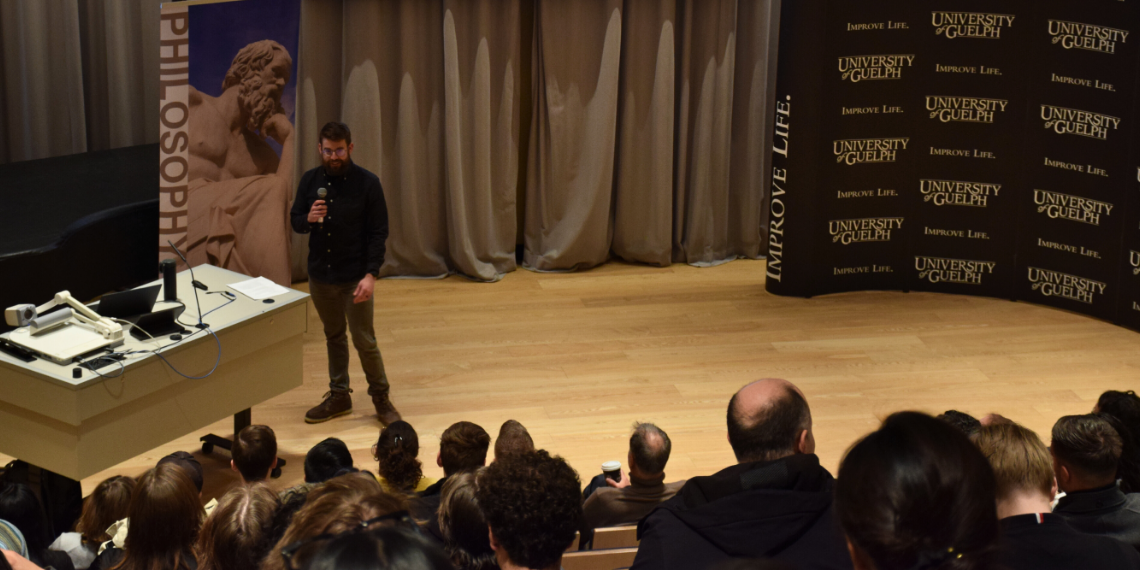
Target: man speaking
{"x": 341, "y": 206}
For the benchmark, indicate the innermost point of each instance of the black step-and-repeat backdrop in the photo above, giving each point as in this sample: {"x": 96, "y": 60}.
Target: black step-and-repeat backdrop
{"x": 981, "y": 147}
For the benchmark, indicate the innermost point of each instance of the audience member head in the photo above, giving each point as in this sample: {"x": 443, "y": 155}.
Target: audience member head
{"x": 106, "y": 504}
{"x": 396, "y": 453}
{"x": 341, "y": 504}
{"x": 753, "y": 564}
{"x": 1124, "y": 405}
{"x": 383, "y": 548}
{"x": 768, "y": 420}
{"x": 1023, "y": 468}
{"x": 166, "y": 515}
{"x": 513, "y": 439}
{"x": 649, "y": 448}
{"x": 20, "y": 507}
{"x": 188, "y": 464}
{"x": 917, "y": 493}
{"x": 463, "y": 525}
{"x": 254, "y": 453}
{"x": 236, "y": 534}
{"x": 533, "y": 506}
{"x": 1086, "y": 451}
{"x": 965, "y": 423}
{"x": 1122, "y": 410}
{"x": 326, "y": 460}
{"x": 463, "y": 446}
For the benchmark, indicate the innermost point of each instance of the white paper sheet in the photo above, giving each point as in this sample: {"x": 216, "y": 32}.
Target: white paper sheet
{"x": 258, "y": 288}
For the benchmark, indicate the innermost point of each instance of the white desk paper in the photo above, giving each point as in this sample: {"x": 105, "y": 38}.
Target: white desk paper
{"x": 258, "y": 288}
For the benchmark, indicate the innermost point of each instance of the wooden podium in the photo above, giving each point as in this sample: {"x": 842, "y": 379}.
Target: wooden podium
{"x": 78, "y": 426}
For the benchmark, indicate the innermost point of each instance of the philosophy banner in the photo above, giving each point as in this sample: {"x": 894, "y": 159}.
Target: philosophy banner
{"x": 228, "y": 90}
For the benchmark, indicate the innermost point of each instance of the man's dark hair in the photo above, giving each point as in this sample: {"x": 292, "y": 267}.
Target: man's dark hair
{"x": 336, "y": 131}
{"x": 254, "y": 450}
{"x": 513, "y": 439}
{"x": 384, "y": 547}
{"x": 769, "y": 433}
{"x": 650, "y": 453}
{"x": 965, "y": 423}
{"x": 463, "y": 446}
{"x": 1087, "y": 445}
{"x": 1122, "y": 410}
{"x": 326, "y": 460}
{"x": 188, "y": 464}
{"x": 917, "y": 493}
{"x": 533, "y": 505}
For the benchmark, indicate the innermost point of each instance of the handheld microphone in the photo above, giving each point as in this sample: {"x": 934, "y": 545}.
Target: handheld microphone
{"x": 321, "y": 194}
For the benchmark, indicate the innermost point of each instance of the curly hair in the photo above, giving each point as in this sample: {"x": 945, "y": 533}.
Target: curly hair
{"x": 396, "y": 453}
{"x": 533, "y": 506}
{"x": 236, "y": 535}
{"x": 334, "y": 507}
{"x": 917, "y": 493}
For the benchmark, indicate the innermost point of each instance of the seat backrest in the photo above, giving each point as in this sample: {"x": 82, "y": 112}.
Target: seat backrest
{"x": 610, "y": 559}
{"x": 615, "y": 537}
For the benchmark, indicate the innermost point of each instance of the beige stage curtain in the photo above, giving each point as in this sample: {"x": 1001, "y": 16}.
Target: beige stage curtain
{"x": 77, "y": 75}
{"x": 431, "y": 91}
{"x": 683, "y": 178}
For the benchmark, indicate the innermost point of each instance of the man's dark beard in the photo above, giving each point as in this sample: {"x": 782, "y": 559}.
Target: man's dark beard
{"x": 259, "y": 106}
{"x": 344, "y": 164}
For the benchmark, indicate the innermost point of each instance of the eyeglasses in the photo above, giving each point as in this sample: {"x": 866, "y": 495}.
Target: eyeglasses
{"x": 340, "y": 152}
{"x": 296, "y": 555}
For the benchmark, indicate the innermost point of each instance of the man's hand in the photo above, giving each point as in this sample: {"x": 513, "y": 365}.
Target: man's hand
{"x": 278, "y": 127}
{"x": 318, "y": 211}
{"x": 364, "y": 289}
{"x": 619, "y": 484}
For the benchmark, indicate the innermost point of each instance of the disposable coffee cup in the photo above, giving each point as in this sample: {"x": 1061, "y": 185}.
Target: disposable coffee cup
{"x": 612, "y": 470}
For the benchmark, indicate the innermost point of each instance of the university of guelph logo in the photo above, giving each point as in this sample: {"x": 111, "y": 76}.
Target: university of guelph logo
{"x": 1056, "y": 284}
{"x": 1065, "y": 121}
{"x": 957, "y": 192}
{"x": 863, "y": 230}
{"x": 964, "y": 109}
{"x": 960, "y": 271}
{"x": 1073, "y": 208}
{"x": 974, "y": 25}
{"x": 861, "y": 151}
{"x": 1089, "y": 37}
{"x": 856, "y": 68}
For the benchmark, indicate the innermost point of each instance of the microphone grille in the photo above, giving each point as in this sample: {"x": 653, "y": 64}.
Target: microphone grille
{"x": 322, "y": 193}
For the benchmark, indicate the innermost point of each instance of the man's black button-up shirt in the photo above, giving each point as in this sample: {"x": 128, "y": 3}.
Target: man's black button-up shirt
{"x": 350, "y": 242}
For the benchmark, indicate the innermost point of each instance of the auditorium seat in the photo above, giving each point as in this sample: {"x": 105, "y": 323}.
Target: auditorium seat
{"x": 610, "y": 559}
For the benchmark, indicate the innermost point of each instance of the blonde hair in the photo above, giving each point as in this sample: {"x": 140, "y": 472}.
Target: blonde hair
{"x": 1019, "y": 458}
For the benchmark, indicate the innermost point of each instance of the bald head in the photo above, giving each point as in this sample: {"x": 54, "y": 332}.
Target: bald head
{"x": 769, "y": 419}
{"x": 649, "y": 448}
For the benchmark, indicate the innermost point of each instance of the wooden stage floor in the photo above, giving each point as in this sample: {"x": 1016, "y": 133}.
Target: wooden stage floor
{"x": 578, "y": 357}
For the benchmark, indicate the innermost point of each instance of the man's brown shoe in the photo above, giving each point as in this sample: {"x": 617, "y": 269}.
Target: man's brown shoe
{"x": 385, "y": 410}
{"x": 336, "y": 404}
